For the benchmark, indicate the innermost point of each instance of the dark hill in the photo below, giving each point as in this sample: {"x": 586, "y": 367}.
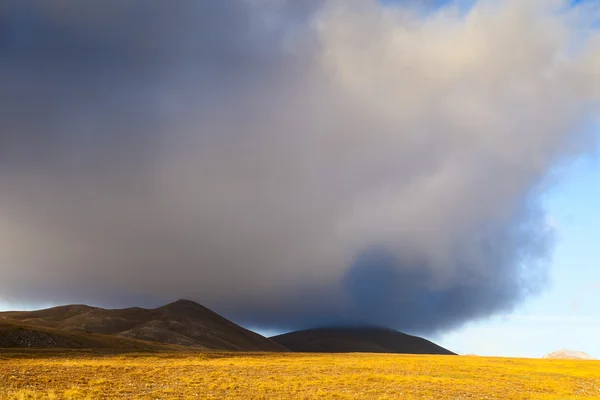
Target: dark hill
{"x": 16, "y": 335}
{"x": 362, "y": 340}
{"x": 183, "y": 322}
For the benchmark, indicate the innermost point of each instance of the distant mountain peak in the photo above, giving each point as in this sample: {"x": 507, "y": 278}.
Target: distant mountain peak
{"x": 569, "y": 354}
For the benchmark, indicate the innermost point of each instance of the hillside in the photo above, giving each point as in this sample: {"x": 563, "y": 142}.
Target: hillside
{"x": 17, "y": 335}
{"x": 183, "y": 322}
{"x": 363, "y": 340}
{"x": 568, "y": 355}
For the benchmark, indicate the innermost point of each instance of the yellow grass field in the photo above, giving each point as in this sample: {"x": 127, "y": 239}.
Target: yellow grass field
{"x": 291, "y": 376}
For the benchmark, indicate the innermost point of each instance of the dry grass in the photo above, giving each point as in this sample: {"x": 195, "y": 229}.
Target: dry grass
{"x": 53, "y": 375}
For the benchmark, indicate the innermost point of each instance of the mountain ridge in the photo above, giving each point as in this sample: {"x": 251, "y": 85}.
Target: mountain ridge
{"x": 182, "y": 322}
{"x": 187, "y": 323}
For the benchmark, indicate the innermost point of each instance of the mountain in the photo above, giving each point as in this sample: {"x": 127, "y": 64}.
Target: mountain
{"x": 183, "y": 322}
{"x": 186, "y": 323}
{"x": 568, "y": 355}
{"x": 360, "y": 339}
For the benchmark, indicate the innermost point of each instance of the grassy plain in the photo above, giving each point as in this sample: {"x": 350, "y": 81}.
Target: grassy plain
{"x": 60, "y": 375}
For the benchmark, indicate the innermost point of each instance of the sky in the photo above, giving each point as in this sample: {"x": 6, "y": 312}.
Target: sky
{"x": 315, "y": 163}
{"x": 565, "y": 315}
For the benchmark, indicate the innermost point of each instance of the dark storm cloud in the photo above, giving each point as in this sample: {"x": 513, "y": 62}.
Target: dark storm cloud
{"x": 289, "y": 164}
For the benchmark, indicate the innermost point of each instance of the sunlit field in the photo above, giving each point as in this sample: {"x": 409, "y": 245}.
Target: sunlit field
{"x": 53, "y": 375}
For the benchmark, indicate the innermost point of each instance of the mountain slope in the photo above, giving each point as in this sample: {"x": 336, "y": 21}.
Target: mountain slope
{"x": 362, "y": 339}
{"x": 183, "y": 322}
{"x": 16, "y": 335}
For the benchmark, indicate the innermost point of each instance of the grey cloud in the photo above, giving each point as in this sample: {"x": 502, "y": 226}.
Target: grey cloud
{"x": 287, "y": 164}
